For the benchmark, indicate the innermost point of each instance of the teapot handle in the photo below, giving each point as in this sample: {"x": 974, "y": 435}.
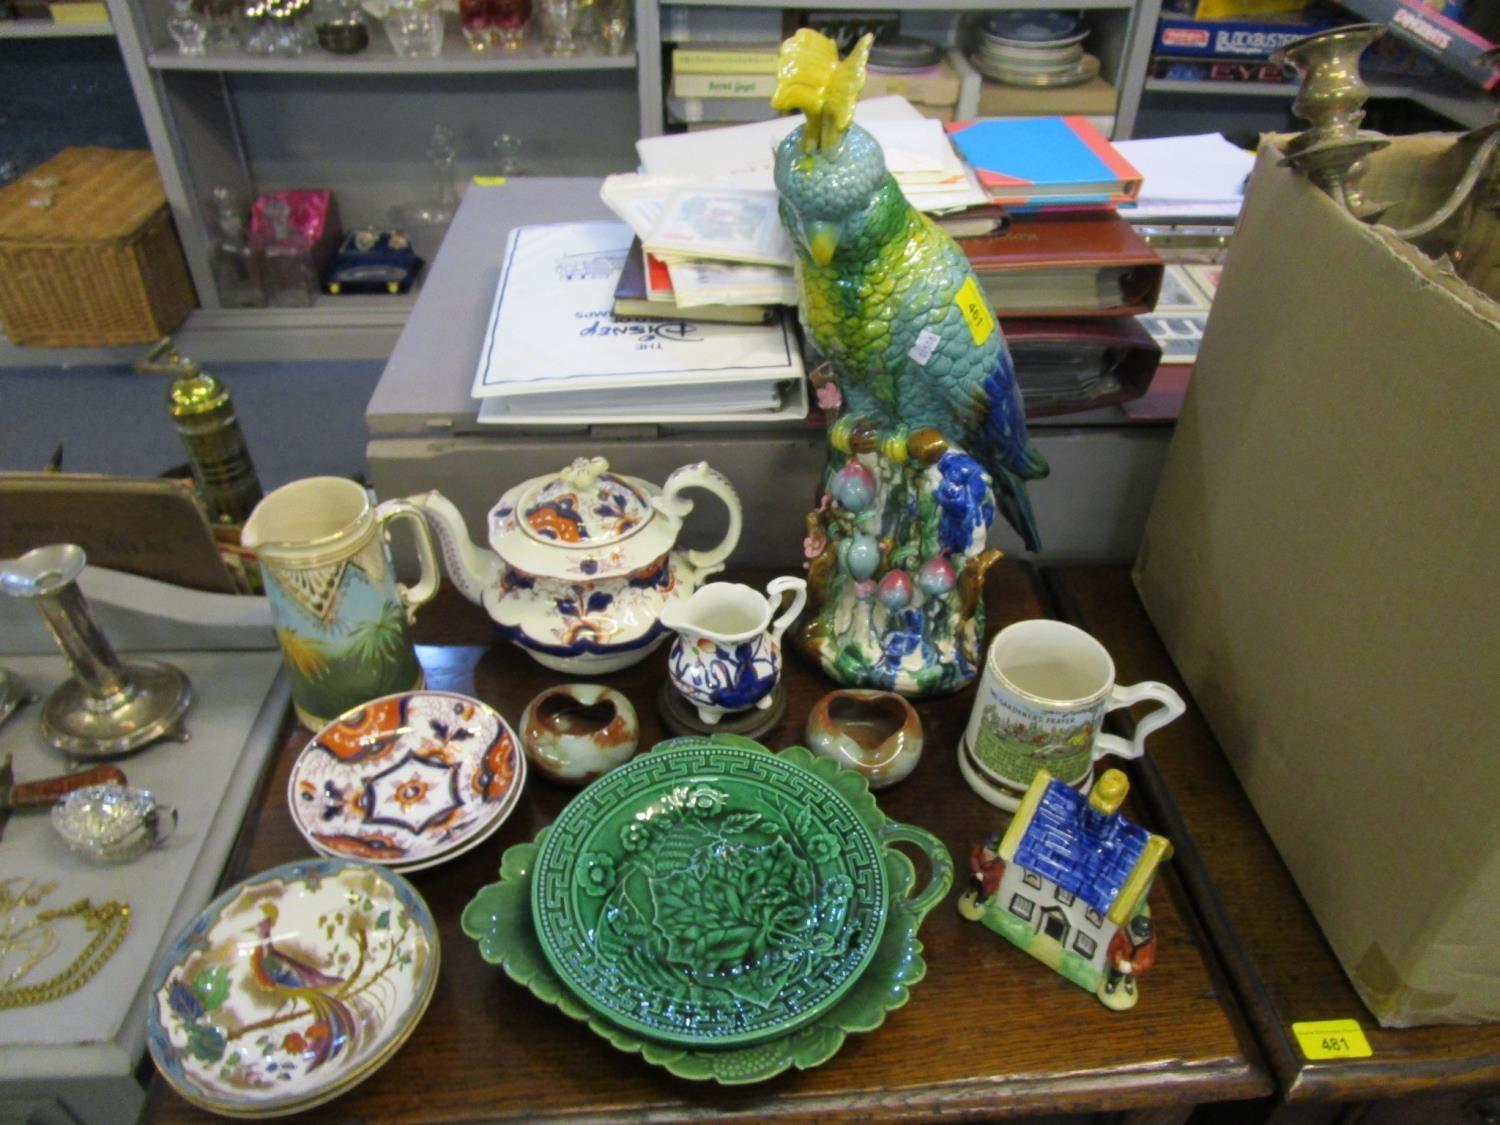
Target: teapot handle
{"x": 673, "y": 503}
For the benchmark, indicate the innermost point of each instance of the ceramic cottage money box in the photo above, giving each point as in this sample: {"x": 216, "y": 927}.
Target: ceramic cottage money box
{"x": 582, "y": 563}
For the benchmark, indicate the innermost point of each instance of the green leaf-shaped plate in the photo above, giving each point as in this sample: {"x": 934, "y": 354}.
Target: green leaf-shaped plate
{"x": 500, "y": 918}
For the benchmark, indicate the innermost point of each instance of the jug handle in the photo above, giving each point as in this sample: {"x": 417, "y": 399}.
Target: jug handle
{"x": 775, "y": 589}
{"x": 427, "y": 584}
{"x": 671, "y": 501}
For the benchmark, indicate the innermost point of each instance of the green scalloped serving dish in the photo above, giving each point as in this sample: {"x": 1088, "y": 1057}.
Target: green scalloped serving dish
{"x": 786, "y": 924}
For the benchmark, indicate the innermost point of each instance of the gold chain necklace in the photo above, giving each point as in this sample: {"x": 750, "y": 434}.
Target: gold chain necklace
{"x": 110, "y": 921}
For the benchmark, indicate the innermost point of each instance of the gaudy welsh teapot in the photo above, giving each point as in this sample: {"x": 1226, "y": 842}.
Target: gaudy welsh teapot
{"x": 582, "y": 563}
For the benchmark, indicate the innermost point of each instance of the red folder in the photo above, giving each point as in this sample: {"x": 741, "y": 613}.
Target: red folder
{"x": 1064, "y": 365}
{"x": 1069, "y": 264}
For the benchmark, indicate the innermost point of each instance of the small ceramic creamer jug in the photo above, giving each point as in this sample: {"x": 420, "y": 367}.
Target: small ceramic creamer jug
{"x": 727, "y": 655}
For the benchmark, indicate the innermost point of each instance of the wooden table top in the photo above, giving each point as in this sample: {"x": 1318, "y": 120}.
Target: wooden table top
{"x": 1283, "y": 970}
{"x": 988, "y": 1031}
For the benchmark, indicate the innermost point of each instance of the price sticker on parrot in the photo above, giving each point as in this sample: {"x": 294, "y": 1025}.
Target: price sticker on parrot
{"x": 976, "y": 310}
{"x": 1332, "y": 1039}
{"x": 927, "y": 343}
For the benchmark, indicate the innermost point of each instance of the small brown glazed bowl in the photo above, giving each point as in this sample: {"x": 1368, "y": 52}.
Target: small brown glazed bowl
{"x": 877, "y": 733}
{"x": 574, "y": 733}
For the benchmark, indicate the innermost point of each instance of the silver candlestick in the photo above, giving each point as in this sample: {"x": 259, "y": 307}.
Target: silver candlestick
{"x": 107, "y": 707}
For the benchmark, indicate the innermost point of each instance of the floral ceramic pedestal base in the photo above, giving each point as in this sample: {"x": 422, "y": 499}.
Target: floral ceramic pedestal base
{"x": 682, "y": 718}
{"x": 897, "y": 560}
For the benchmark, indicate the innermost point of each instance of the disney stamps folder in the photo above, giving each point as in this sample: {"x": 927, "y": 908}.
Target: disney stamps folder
{"x": 551, "y": 328}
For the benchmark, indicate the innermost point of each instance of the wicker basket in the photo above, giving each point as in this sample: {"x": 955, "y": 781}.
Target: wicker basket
{"x": 102, "y": 264}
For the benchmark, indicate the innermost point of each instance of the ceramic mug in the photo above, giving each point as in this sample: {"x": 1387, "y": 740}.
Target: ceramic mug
{"x": 1042, "y": 699}
{"x": 341, "y": 617}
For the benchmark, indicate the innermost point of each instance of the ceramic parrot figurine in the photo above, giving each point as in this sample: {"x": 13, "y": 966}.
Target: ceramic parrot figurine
{"x": 886, "y": 295}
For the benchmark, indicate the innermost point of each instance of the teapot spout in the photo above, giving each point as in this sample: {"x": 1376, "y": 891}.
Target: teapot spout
{"x": 469, "y": 568}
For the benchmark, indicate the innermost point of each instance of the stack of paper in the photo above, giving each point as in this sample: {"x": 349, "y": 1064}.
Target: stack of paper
{"x": 705, "y": 204}
{"x": 714, "y": 245}
{"x": 1199, "y": 176}
{"x": 554, "y": 353}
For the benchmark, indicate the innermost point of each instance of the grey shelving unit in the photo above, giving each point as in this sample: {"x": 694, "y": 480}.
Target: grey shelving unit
{"x": 358, "y": 125}
{"x": 1122, "y": 34}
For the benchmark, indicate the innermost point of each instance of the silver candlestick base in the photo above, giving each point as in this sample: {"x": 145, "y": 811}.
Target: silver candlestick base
{"x": 106, "y": 708}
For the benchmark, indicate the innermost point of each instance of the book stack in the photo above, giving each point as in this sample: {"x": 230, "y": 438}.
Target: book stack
{"x": 705, "y": 211}
{"x": 722, "y": 84}
{"x": 555, "y": 353}
{"x": 1068, "y": 277}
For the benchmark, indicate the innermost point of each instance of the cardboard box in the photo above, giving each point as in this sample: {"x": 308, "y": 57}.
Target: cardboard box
{"x": 1321, "y": 560}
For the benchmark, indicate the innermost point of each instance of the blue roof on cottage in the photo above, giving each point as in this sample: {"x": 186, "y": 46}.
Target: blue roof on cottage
{"x": 1085, "y": 852}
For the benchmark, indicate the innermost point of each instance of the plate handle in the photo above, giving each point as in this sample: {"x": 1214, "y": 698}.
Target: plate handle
{"x": 938, "y": 859}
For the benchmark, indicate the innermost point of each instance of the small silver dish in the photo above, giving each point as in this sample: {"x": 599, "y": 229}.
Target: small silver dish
{"x": 111, "y": 823}
{"x": 344, "y": 37}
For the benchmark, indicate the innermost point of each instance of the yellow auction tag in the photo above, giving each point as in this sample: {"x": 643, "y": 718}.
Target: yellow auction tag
{"x": 976, "y": 310}
{"x": 1332, "y": 1039}
{"x": 489, "y": 181}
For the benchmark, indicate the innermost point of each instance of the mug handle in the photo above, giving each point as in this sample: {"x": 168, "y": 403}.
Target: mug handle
{"x": 1120, "y": 696}
{"x": 427, "y": 584}
{"x": 775, "y": 589}
{"x": 941, "y": 879}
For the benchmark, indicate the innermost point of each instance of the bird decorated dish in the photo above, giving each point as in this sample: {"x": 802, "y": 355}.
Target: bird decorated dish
{"x": 733, "y": 937}
{"x": 409, "y": 780}
{"x": 292, "y": 987}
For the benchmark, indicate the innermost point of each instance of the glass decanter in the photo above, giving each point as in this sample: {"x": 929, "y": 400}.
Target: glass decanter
{"x": 286, "y": 259}
{"x": 436, "y": 211}
{"x": 236, "y": 266}
{"x": 188, "y": 28}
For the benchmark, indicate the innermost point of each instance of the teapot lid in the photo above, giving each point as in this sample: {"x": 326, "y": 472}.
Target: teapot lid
{"x": 583, "y": 522}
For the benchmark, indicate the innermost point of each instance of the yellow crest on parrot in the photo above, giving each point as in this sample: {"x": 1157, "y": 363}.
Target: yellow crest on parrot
{"x": 812, "y": 79}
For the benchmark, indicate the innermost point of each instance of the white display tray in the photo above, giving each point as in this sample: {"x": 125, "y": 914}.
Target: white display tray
{"x": 78, "y": 1055}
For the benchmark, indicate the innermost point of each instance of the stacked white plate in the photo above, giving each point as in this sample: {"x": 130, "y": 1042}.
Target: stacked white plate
{"x": 1033, "y": 49}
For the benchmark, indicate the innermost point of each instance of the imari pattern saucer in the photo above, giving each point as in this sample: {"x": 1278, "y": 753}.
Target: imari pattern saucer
{"x": 408, "y": 781}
